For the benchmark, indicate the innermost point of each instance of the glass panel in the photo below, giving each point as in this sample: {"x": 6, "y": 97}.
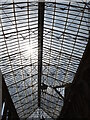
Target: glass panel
{"x": 65, "y": 36}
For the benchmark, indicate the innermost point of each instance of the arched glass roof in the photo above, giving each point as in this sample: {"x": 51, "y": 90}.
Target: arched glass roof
{"x": 64, "y": 39}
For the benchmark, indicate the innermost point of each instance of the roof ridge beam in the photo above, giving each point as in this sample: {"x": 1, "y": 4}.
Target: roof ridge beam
{"x": 40, "y": 46}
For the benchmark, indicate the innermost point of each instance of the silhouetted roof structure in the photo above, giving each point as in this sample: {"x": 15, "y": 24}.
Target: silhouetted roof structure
{"x": 41, "y": 46}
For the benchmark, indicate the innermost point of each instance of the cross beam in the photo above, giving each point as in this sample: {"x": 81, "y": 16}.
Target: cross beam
{"x": 40, "y": 46}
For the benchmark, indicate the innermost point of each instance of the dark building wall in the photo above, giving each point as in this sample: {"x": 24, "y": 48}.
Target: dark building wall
{"x": 77, "y": 94}
{"x": 0, "y": 93}
{"x": 9, "y": 109}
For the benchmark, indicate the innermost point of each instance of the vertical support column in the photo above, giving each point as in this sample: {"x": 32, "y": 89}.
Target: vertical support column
{"x": 0, "y": 93}
{"x": 40, "y": 46}
{"x": 0, "y": 73}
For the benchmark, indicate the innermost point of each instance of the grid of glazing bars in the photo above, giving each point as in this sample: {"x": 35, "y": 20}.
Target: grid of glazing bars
{"x": 19, "y": 54}
{"x": 65, "y": 37}
{"x": 64, "y": 40}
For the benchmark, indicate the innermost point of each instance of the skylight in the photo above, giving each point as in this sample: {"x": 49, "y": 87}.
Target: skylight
{"x": 65, "y": 36}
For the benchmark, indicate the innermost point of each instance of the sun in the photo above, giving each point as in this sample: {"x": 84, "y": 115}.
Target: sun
{"x": 29, "y": 50}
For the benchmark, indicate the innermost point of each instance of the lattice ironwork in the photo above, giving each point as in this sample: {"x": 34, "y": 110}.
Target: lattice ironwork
{"x": 65, "y": 36}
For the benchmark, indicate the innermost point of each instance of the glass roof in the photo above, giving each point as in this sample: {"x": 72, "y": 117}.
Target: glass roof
{"x": 65, "y": 36}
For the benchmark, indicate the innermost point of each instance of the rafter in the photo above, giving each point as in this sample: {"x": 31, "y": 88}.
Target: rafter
{"x": 40, "y": 46}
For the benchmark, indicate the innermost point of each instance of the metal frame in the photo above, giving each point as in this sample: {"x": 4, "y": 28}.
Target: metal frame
{"x": 56, "y": 32}
{"x": 40, "y": 46}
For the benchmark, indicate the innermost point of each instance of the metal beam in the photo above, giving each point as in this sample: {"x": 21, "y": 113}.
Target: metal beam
{"x": 40, "y": 46}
